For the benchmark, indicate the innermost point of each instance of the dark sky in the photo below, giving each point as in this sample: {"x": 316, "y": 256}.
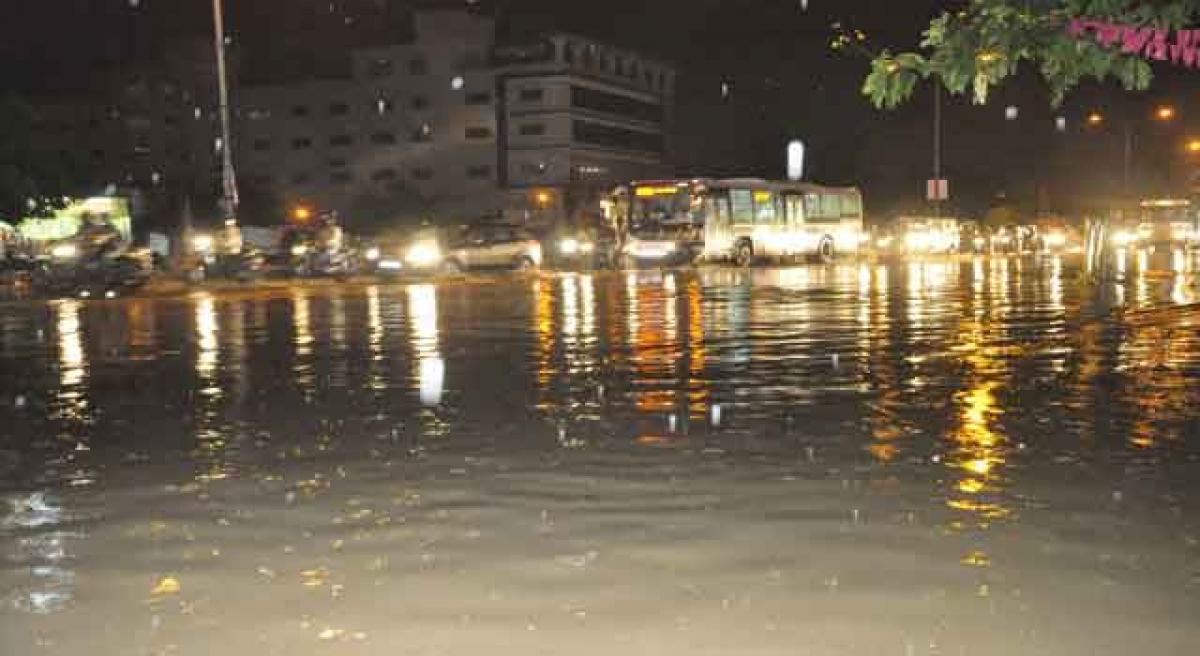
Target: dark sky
{"x": 786, "y": 83}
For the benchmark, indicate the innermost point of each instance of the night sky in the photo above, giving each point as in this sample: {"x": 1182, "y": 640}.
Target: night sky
{"x": 786, "y": 83}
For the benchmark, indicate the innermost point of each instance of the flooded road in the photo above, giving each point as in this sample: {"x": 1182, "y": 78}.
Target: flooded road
{"x": 968, "y": 457}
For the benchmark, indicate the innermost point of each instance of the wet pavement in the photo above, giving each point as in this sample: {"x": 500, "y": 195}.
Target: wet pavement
{"x": 947, "y": 457}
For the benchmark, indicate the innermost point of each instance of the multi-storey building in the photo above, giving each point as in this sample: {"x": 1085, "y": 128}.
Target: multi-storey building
{"x": 449, "y": 127}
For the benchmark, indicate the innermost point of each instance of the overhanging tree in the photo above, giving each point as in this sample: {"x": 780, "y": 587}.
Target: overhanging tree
{"x": 34, "y": 180}
{"x": 975, "y": 48}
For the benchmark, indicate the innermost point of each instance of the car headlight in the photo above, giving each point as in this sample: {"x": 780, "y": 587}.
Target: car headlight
{"x": 569, "y": 246}
{"x": 1124, "y": 237}
{"x": 64, "y": 251}
{"x": 372, "y": 254}
{"x": 1056, "y": 239}
{"x": 979, "y": 242}
{"x": 202, "y": 243}
{"x": 423, "y": 254}
{"x": 883, "y": 242}
{"x": 299, "y": 249}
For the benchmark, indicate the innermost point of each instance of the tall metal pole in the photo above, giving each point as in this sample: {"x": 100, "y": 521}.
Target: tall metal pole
{"x": 1128, "y": 159}
{"x": 229, "y": 192}
{"x": 937, "y": 148}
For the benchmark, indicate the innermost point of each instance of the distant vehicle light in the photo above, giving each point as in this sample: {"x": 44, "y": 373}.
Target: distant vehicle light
{"x": 299, "y": 249}
{"x": 372, "y": 254}
{"x": 391, "y": 265}
{"x": 202, "y": 243}
{"x": 1124, "y": 237}
{"x": 883, "y": 242}
{"x": 979, "y": 242}
{"x": 569, "y": 246}
{"x": 64, "y": 252}
{"x": 423, "y": 254}
{"x": 1056, "y": 239}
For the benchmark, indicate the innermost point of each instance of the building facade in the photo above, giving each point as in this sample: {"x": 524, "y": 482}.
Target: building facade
{"x": 451, "y": 127}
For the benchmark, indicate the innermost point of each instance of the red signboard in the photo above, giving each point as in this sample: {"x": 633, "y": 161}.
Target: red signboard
{"x": 937, "y": 189}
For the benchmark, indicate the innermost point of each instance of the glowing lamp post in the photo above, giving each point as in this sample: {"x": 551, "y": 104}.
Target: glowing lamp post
{"x": 795, "y": 160}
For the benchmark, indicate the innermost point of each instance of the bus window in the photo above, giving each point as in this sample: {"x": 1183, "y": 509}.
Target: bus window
{"x": 717, "y": 209}
{"x": 764, "y": 208}
{"x": 831, "y": 206}
{"x": 812, "y": 206}
{"x": 795, "y": 205}
{"x": 851, "y": 205}
{"x": 742, "y": 206}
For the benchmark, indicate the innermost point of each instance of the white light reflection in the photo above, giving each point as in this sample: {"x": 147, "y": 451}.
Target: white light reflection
{"x": 72, "y": 363}
{"x": 206, "y": 342}
{"x": 37, "y": 518}
{"x": 423, "y": 321}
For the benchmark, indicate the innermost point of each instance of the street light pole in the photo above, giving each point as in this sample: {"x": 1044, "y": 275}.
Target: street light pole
{"x": 229, "y": 192}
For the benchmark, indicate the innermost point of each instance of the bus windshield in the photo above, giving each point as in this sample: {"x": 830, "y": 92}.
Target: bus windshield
{"x": 656, "y": 207}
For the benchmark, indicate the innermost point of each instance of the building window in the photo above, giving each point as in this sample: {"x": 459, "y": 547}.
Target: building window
{"x": 337, "y": 163}
{"x": 423, "y": 133}
{"x": 261, "y": 144}
{"x": 341, "y": 177}
{"x": 300, "y": 178}
{"x": 457, "y": 83}
{"x": 419, "y": 102}
{"x": 532, "y": 129}
{"x": 611, "y": 103}
{"x": 422, "y": 173}
{"x": 607, "y": 136}
{"x": 339, "y": 109}
{"x": 256, "y": 114}
{"x": 478, "y": 132}
{"x": 532, "y": 94}
{"x": 383, "y": 138}
{"x": 379, "y": 68}
{"x": 300, "y": 111}
{"x": 480, "y": 172}
{"x": 479, "y": 98}
{"x": 418, "y": 66}
{"x": 383, "y": 106}
{"x": 534, "y": 169}
{"x": 382, "y": 175}
{"x": 300, "y": 143}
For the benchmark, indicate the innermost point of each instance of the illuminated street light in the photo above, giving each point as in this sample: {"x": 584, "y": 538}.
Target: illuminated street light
{"x": 1164, "y": 113}
{"x": 1095, "y": 118}
{"x": 1193, "y": 146}
{"x": 302, "y": 213}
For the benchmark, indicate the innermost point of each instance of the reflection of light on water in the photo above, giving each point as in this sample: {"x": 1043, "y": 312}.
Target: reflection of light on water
{"x": 206, "y": 334}
{"x": 71, "y": 360}
{"x": 37, "y": 517}
{"x": 302, "y": 325}
{"x": 374, "y": 338}
{"x": 670, "y": 311}
{"x": 1056, "y": 284}
{"x": 980, "y": 450}
{"x": 374, "y": 324}
{"x": 570, "y": 311}
{"x": 587, "y": 302}
{"x": 631, "y": 296}
{"x": 423, "y": 321}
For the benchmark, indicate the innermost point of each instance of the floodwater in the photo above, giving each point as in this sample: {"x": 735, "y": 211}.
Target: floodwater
{"x": 969, "y": 457}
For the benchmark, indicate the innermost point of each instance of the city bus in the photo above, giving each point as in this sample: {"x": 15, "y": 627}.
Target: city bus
{"x": 740, "y": 220}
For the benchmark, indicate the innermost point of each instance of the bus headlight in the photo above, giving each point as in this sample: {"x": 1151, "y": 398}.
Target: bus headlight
{"x": 64, "y": 252}
{"x": 572, "y": 246}
{"x": 372, "y": 254}
{"x": 423, "y": 254}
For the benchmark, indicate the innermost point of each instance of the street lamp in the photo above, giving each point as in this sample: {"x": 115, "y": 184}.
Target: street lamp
{"x": 1193, "y": 146}
{"x": 1164, "y": 113}
{"x": 1095, "y": 118}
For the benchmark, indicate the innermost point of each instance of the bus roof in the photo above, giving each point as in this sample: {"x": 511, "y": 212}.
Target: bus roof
{"x": 737, "y": 183}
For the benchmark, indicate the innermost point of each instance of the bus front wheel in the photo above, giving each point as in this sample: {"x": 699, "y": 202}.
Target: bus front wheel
{"x": 743, "y": 255}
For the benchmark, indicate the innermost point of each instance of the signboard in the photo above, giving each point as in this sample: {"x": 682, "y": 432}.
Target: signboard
{"x": 67, "y": 221}
{"x": 937, "y": 190}
{"x": 1181, "y": 47}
